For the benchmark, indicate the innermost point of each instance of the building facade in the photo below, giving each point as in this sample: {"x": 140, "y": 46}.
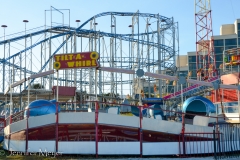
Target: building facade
{"x": 229, "y": 38}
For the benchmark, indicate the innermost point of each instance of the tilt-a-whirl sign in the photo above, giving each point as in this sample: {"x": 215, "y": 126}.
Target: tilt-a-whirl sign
{"x": 76, "y": 60}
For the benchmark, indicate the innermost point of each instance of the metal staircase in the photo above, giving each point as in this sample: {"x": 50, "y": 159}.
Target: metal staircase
{"x": 195, "y": 90}
{"x": 190, "y": 91}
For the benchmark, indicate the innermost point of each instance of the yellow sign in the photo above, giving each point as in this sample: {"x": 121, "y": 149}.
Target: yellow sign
{"x": 76, "y": 60}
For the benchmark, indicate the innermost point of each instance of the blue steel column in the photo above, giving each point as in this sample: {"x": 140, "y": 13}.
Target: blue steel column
{"x": 13, "y": 62}
{"x": 138, "y": 61}
{"x": 20, "y": 72}
{"x": 41, "y": 62}
{"x": 103, "y": 88}
{"x": 75, "y": 72}
{"x": 91, "y": 77}
{"x": 138, "y": 49}
{"x": 113, "y": 55}
{"x": 10, "y": 80}
{"x": 45, "y": 48}
{"x": 121, "y": 67}
{"x": 81, "y": 78}
{"x": 66, "y": 71}
{"x": 132, "y": 60}
{"x": 100, "y": 72}
{"x": 31, "y": 52}
{"x": 4, "y": 52}
{"x": 159, "y": 57}
{"x": 163, "y": 55}
{"x": 148, "y": 55}
{"x": 50, "y": 51}
{"x": 25, "y": 21}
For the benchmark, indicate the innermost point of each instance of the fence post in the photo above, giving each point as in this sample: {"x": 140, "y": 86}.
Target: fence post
{"x": 140, "y": 129}
{"x": 56, "y": 132}
{"x": 9, "y": 137}
{"x": 183, "y": 134}
{"x": 96, "y": 127}
{"x": 10, "y": 121}
{"x": 26, "y": 149}
{"x": 5, "y": 123}
{"x": 214, "y": 142}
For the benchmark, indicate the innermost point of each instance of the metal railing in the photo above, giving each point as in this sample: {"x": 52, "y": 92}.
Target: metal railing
{"x": 223, "y": 141}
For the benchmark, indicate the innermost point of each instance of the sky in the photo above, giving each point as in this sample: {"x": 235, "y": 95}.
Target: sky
{"x": 13, "y": 12}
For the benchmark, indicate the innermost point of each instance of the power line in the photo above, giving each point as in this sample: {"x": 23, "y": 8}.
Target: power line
{"x": 232, "y": 9}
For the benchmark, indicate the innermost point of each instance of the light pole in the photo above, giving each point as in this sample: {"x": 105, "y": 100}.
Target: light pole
{"x": 75, "y": 71}
{"x": 25, "y": 21}
{"x": 78, "y": 22}
{"x": 4, "y": 27}
{"x": 130, "y": 59}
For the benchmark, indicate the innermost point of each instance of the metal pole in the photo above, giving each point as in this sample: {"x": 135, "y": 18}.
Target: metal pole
{"x": 75, "y": 72}
{"x": 214, "y": 142}
{"x": 25, "y": 21}
{"x": 50, "y": 50}
{"x": 31, "y": 51}
{"x": 96, "y": 128}
{"x": 159, "y": 57}
{"x": 121, "y": 67}
{"x": 238, "y": 100}
{"x": 216, "y": 100}
{"x": 57, "y": 86}
{"x": 103, "y": 51}
{"x": 100, "y": 72}
{"x": 138, "y": 48}
{"x": 5, "y": 107}
{"x": 96, "y": 83}
{"x": 10, "y": 93}
{"x": 4, "y": 26}
{"x": 148, "y": 55}
{"x": 115, "y": 55}
{"x": 140, "y": 130}
{"x": 181, "y": 96}
{"x": 28, "y": 90}
{"x": 238, "y": 104}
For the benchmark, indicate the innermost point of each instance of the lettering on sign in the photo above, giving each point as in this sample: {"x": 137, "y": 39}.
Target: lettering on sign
{"x": 76, "y": 60}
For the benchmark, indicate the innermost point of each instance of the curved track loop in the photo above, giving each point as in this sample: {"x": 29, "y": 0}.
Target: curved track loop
{"x": 68, "y": 33}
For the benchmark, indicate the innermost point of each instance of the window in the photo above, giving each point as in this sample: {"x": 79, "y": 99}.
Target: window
{"x": 145, "y": 89}
{"x": 194, "y": 73}
{"x": 230, "y": 42}
{"x": 219, "y": 57}
{"x": 192, "y": 66}
{"x": 238, "y": 26}
{"x": 229, "y": 47}
{"x": 218, "y": 50}
{"x": 218, "y": 64}
{"x": 191, "y": 59}
{"x": 218, "y": 42}
{"x": 183, "y": 73}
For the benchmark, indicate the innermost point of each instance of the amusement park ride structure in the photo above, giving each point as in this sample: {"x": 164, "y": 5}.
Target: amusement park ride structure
{"x": 152, "y": 45}
{"x": 115, "y": 63}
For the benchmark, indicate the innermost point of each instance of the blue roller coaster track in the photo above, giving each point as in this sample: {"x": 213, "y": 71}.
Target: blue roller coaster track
{"x": 170, "y": 52}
